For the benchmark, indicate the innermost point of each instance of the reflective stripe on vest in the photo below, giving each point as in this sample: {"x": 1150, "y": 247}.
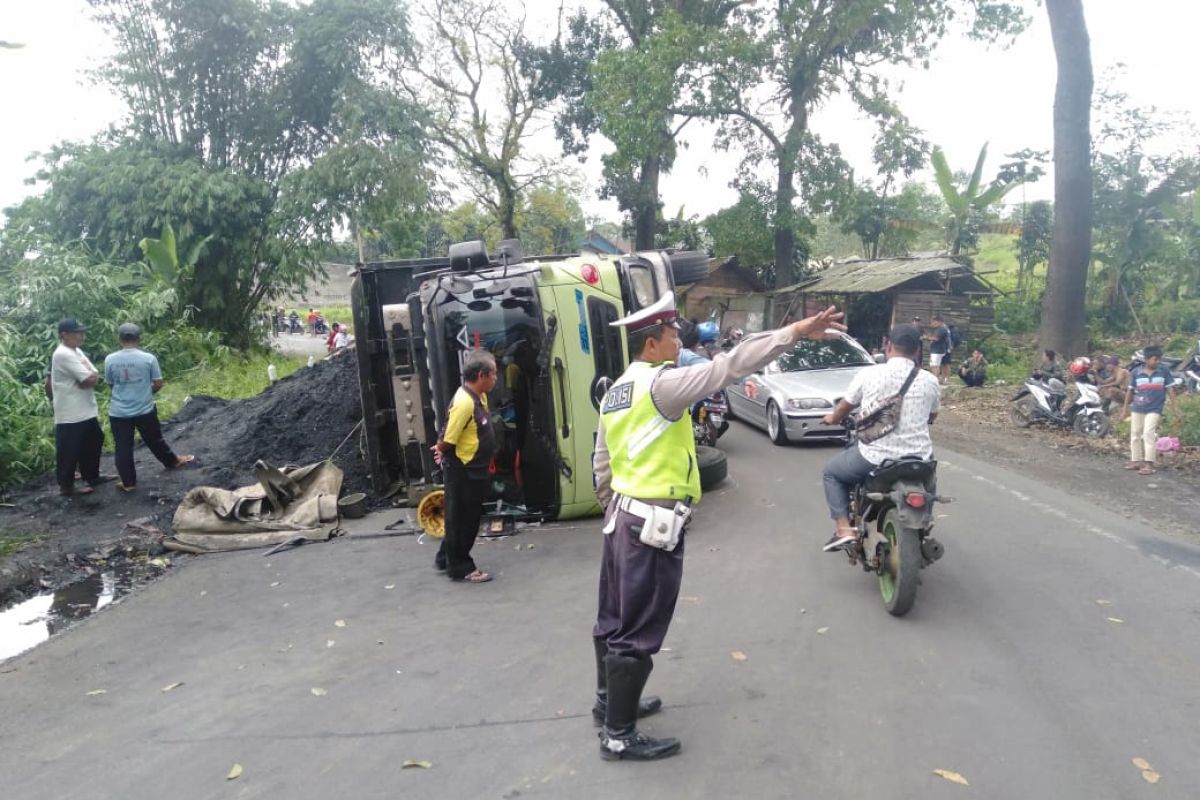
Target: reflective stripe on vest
{"x": 652, "y": 457}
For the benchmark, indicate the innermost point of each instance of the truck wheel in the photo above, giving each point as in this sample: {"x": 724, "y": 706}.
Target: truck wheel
{"x": 713, "y": 466}
{"x": 688, "y": 266}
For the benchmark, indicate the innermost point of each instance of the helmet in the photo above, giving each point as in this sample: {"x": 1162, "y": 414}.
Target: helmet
{"x": 1080, "y": 366}
{"x": 708, "y": 332}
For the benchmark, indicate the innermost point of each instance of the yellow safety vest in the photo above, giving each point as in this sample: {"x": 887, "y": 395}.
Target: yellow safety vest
{"x": 652, "y": 457}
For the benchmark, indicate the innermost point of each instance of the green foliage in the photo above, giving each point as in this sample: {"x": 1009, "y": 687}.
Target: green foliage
{"x": 1172, "y": 315}
{"x": 551, "y": 219}
{"x": 1186, "y": 423}
{"x": 967, "y": 204}
{"x": 744, "y": 230}
{"x": 1033, "y": 245}
{"x": 895, "y": 225}
{"x": 1015, "y": 314}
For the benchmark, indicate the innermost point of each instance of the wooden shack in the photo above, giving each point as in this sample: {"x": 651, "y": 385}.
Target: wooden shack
{"x": 878, "y": 294}
{"x": 733, "y": 293}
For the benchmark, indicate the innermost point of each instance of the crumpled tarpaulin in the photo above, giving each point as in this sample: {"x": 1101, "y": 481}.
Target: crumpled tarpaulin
{"x": 297, "y": 501}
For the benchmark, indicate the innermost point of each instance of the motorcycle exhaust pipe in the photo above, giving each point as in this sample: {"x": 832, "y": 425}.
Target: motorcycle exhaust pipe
{"x": 932, "y": 549}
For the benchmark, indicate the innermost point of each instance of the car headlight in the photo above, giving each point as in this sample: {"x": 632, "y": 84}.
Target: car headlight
{"x": 807, "y": 403}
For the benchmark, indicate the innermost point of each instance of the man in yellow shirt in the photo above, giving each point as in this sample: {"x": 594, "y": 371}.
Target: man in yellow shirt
{"x": 465, "y": 452}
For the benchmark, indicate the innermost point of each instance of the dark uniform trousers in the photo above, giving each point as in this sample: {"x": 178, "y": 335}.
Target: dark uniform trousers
{"x": 151, "y": 430}
{"x": 464, "y": 510}
{"x": 639, "y": 586}
{"x": 77, "y": 446}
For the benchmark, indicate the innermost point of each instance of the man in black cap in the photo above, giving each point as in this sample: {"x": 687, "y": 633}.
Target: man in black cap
{"x": 71, "y": 386}
{"x": 646, "y": 479}
{"x": 868, "y": 390}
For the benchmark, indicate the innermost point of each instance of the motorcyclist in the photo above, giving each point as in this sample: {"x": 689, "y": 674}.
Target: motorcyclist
{"x": 689, "y": 344}
{"x": 910, "y": 437}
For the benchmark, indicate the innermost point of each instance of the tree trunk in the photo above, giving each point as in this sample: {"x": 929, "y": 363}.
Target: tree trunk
{"x": 645, "y": 215}
{"x": 507, "y": 210}
{"x": 1064, "y": 316}
{"x": 785, "y": 223}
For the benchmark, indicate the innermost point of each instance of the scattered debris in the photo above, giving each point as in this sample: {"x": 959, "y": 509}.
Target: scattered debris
{"x": 318, "y": 691}
{"x": 412, "y": 763}
{"x": 235, "y": 772}
{"x": 738, "y": 655}
{"x": 95, "y": 692}
{"x": 953, "y": 777}
{"x": 1117, "y": 620}
{"x": 823, "y": 630}
{"x": 341, "y": 623}
{"x": 172, "y": 686}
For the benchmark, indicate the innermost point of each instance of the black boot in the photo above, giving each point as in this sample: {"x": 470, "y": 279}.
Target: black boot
{"x": 620, "y": 738}
{"x": 646, "y": 706}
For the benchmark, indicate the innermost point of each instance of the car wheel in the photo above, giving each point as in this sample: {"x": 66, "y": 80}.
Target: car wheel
{"x": 713, "y": 466}
{"x": 775, "y": 426}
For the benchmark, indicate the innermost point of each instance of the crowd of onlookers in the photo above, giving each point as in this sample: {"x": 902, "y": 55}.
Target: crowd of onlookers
{"x": 337, "y": 335}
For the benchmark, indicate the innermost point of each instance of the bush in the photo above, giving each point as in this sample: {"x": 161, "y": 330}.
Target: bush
{"x": 1185, "y": 424}
{"x": 1014, "y": 315}
{"x": 1180, "y": 315}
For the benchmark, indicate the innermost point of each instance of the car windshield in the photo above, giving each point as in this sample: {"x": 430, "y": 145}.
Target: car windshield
{"x": 827, "y": 354}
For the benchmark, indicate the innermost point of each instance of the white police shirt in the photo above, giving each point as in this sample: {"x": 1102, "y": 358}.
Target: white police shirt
{"x": 911, "y": 436}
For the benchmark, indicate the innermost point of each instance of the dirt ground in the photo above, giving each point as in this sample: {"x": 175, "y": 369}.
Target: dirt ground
{"x": 302, "y": 419}
{"x": 975, "y": 421}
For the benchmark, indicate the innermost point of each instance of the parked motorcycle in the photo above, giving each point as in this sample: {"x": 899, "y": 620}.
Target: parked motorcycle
{"x": 710, "y": 419}
{"x": 1179, "y": 368}
{"x": 1041, "y": 400}
{"x": 893, "y": 513}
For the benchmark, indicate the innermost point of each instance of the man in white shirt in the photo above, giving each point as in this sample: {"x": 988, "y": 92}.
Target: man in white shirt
{"x": 911, "y": 437}
{"x": 71, "y": 385}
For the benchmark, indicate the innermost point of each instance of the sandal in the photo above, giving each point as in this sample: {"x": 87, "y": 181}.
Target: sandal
{"x": 1133, "y": 465}
{"x": 475, "y": 577}
{"x": 72, "y": 492}
{"x": 125, "y": 488}
{"x": 182, "y": 461}
{"x": 1147, "y": 470}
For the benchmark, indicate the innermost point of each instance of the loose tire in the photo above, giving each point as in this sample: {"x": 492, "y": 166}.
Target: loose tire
{"x": 712, "y": 465}
{"x": 688, "y": 266}
{"x": 899, "y": 572}
{"x": 1021, "y": 412}
{"x": 1093, "y": 426}
{"x": 776, "y": 428}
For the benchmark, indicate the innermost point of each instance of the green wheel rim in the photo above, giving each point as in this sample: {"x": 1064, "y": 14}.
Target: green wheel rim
{"x": 887, "y": 581}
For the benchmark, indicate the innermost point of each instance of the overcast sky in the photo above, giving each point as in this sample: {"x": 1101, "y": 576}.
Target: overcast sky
{"x": 969, "y": 95}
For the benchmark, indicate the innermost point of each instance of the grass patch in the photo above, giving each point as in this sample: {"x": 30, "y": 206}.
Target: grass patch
{"x": 11, "y": 543}
{"x": 236, "y": 379}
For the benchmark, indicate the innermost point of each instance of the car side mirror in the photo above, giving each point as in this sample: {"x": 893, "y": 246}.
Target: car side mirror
{"x": 880, "y": 358}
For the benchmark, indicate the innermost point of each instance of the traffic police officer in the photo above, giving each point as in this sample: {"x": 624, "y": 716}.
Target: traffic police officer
{"x": 646, "y": 479}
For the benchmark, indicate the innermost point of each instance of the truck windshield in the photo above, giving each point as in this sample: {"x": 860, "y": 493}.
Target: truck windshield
{"x": 503, "y": 316}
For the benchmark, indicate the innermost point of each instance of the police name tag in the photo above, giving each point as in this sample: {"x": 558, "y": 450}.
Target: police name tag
{"x": 618, "y": 398}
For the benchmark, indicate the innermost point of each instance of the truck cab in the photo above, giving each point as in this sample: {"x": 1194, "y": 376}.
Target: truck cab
{"x": 546, "y": 320}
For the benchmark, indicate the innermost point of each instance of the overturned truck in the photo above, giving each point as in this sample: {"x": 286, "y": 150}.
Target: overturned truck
{"x": 546, "y": 321}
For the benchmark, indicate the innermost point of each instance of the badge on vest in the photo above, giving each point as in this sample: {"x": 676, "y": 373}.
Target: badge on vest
{"x": 618, "y": 398}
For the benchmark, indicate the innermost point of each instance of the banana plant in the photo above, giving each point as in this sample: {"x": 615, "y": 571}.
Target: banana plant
{"x": 962, "y": 202}
{"x": 165, "y": 271}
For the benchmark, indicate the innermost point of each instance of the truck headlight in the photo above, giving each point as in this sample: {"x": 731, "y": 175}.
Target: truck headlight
{"x": 807, "y": 403}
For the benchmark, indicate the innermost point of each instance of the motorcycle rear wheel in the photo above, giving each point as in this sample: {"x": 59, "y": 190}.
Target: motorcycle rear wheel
{"x": 1021, "y": 412}
{"x": 900, "y": 567}
{"x": 1094, "y": 426}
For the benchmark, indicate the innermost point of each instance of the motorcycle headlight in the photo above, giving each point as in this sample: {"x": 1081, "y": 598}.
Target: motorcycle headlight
{"x": 807, "y": 403}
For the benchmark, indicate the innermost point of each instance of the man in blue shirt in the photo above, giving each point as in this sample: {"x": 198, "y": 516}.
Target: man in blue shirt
{"x": 1145, "y": 398}
{"x": 135, "y": 377}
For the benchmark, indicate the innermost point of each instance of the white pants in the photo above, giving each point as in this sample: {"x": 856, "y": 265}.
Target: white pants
{"x": 935, "y": 359}
{"x": 1143, "y": 436}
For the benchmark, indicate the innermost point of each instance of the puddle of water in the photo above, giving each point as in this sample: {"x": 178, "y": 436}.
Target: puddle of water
{"x": 37, "y": 619}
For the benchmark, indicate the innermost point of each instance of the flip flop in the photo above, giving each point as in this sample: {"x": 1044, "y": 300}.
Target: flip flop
{"x": 183, "y": 461}
{"x": 125, "y": 488}
{"x": 1147, "y": 471}
{"x": 475, "y": 577}
{"x": 73, "y": 492}
{"x": 1132, "y": 465}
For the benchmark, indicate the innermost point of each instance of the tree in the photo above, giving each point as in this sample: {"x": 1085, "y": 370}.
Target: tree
{"x": 972, "y": 199}
{"x": 766, "y": 76}
{"x": 1033, "y": 244}
{"x": 551, "y": 219}
{"x": 231, "y": 103}
{"x": 621, "y": 73}
{"x": 1064, "y": 323}
{"x": 473, "y": 56}
{"x": 890, "y": 226}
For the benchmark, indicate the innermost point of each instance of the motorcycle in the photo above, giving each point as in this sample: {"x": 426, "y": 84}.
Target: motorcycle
{"x": 294, "y": 325}
{"x": 1185, "y": 373}
{"x": 710, "y": 419}
{"x": 320, "y": 327}
{"x": 892, "y": 510}
{"x": 1040, "y": 400}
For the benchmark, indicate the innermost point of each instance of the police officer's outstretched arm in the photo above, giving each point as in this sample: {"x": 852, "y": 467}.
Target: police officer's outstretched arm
{"x": 675, "y": 390}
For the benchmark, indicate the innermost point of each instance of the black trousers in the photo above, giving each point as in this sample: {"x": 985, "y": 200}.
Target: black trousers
{"x": 464, "y": 510}
{"x": 151, "y": 430}
{"x": 77, "y": 447}
{"x": 639, "y": 586}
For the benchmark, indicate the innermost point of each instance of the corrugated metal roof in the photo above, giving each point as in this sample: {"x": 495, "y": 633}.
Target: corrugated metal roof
{"x": 854, "y": 277}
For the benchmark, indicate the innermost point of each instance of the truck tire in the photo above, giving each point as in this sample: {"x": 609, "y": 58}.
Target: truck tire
{"x": 713, "y": 466}
{"x": 688, "y": 266}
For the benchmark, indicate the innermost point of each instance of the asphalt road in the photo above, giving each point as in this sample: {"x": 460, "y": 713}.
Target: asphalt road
{"x": 1008, "y": 671}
